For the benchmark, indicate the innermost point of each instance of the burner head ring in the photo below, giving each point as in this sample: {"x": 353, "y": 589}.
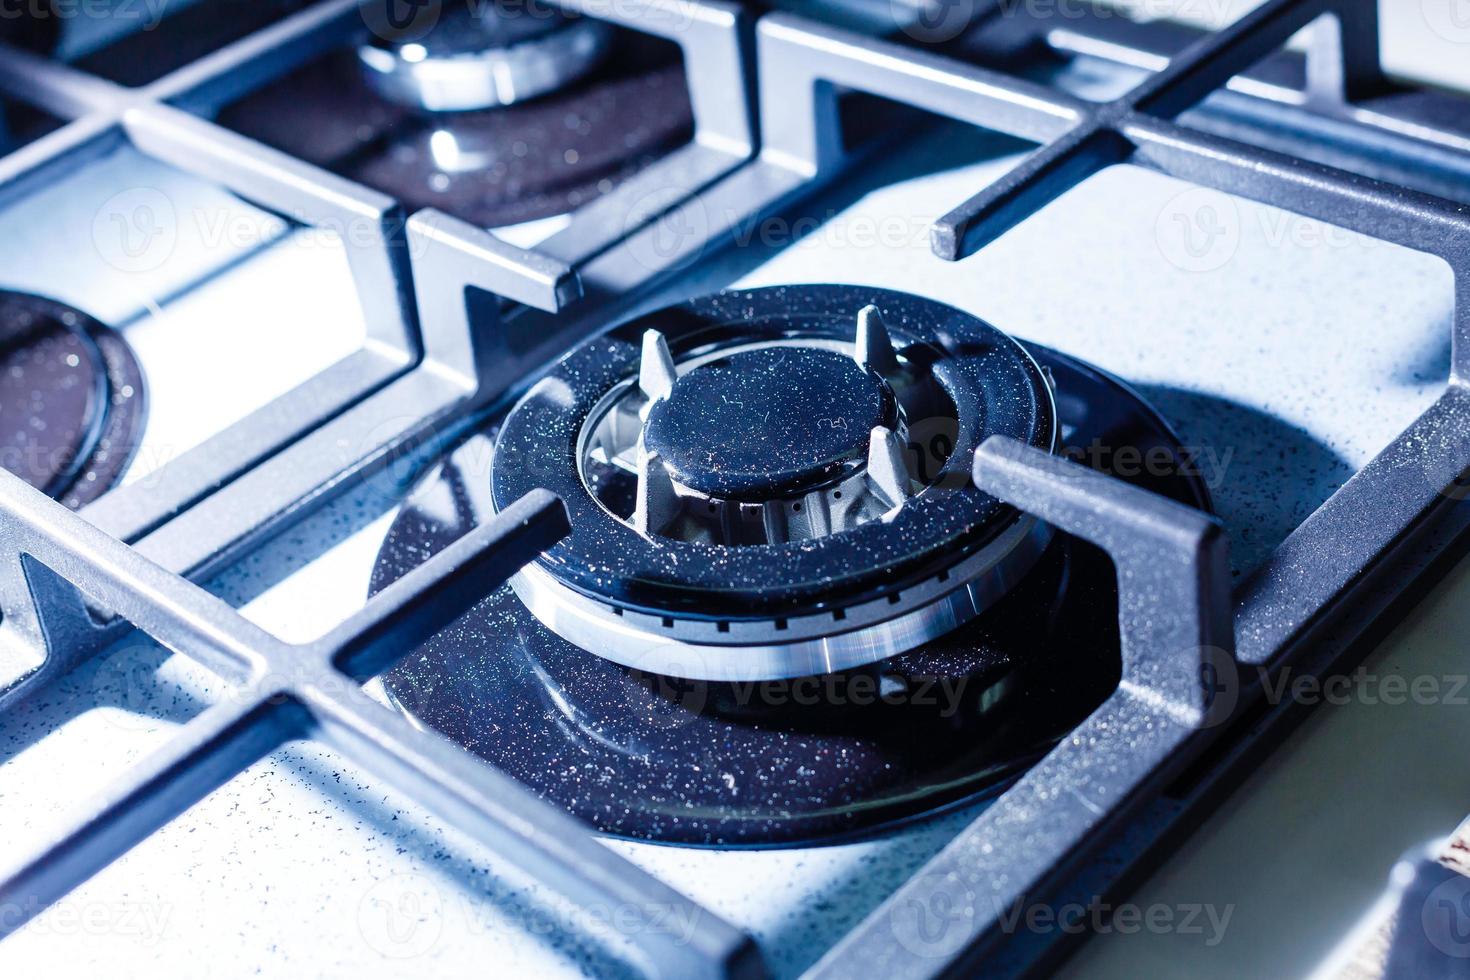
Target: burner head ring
{"x": 476, "y": 59}
{"x": 829, "y": 559}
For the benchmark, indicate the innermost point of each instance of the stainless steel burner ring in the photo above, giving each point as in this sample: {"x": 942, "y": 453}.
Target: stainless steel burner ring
{"x": 770, "y": 649}
{"x": 490, "y": 60}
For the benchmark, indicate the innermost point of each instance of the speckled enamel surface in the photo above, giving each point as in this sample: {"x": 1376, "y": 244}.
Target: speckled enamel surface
{"x": 1286, "y": 351}
{"x": 1293, "y": 361}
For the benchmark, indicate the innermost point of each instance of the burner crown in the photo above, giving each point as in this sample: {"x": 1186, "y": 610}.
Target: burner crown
{"x": 769, "y": 423}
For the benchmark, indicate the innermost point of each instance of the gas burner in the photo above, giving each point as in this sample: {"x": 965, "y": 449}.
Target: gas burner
{"x": 766, "y": 520}
{"x": 786, "y": 760}
{"x": 554, "y": 113}
{"x": 71, "y": 399}
{"x": 482, "y": 58}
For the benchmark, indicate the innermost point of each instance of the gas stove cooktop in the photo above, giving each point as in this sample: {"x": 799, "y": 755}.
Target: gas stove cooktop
{"x": 692, "y": 488}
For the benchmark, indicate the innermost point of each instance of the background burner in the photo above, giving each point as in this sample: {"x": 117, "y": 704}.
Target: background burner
{"x": 496, "y": 167}
{"x": 486, "y": 56}
{"x": 122, "y": 428}
{"x": 71, "y": 399}
{"x": 787, "y": 762}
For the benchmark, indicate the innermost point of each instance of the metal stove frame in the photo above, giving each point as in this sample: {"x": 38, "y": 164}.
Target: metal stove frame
{"x": 1188, "y": 638}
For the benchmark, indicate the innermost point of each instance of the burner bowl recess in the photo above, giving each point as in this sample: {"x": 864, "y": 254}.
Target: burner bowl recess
{"x": 790, "y": 760}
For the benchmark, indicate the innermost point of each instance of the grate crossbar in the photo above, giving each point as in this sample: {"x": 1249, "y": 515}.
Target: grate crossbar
{"x": 289, "y": 691}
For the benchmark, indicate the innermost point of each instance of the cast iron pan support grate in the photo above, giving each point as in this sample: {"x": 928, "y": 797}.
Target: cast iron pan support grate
{"x": 422, "y": 365}
{"x": 283, "y": 692}
{"x": 1357, "y": 553}
{"x": 1176, "y": 636}
{"x": 1349, "y": 548}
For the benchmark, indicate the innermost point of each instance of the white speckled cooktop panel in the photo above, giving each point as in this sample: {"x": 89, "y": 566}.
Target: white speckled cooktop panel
{"x": 1290, "y": 351}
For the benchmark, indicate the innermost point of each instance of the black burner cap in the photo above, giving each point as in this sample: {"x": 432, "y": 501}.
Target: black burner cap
{"x": 769, "y": 423}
